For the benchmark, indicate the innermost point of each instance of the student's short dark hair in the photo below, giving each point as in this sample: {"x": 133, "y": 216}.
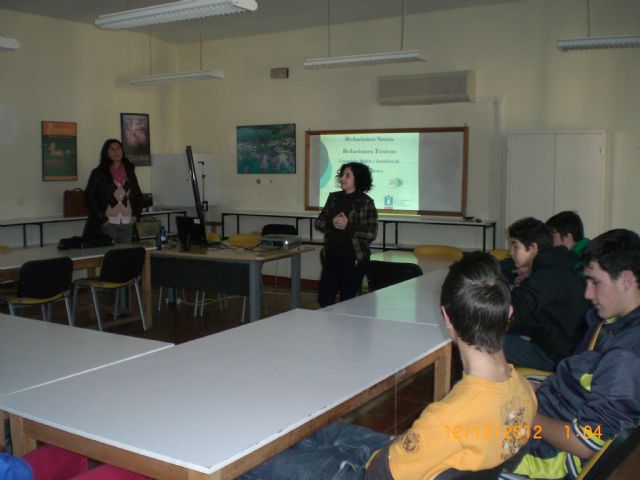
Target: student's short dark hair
{"x": 615, "y": 251}
{"x": 530, "y": 230}
{"x": 567, "y": 222}
{"x": 476, "y": 298}
{"x": 361, "y": 173}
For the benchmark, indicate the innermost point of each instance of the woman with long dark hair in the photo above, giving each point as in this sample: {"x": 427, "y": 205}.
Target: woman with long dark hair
{"x": 113, "y": 195}
{"x": 349, "y": 221}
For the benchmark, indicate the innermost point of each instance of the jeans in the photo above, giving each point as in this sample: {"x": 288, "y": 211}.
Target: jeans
{"x": 121, "y": 233}
{"x": 337, "y": 452}
{"x": 340, "y": 274}
{"x": 525, "y": 353}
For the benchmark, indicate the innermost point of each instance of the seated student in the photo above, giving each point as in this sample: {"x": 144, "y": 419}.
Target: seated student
{"x": 567, "y": 230}
{"x": 593, "y": 395}
{"x": 472, "y": 428}
{"x": 549, "y": 305}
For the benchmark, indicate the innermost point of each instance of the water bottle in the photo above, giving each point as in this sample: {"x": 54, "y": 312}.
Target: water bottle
{"x": 163, "y": 234}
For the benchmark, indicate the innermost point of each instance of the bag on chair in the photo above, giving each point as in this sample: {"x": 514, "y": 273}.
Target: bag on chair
{"x": 73, "y": 203}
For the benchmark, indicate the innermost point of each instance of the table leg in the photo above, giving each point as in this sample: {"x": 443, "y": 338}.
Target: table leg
{"x": 255, "y": 290}
{"x": 295, "y": 281}
{"x": 21, "y": 442}
{"x": 442, "y": 374}
{"x": 4, "y": 419}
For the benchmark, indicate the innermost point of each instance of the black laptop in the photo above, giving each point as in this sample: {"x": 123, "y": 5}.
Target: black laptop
{"x": 195, "y": 229}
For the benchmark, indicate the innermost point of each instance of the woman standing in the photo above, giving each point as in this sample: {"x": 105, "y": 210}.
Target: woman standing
{"x": 113, "y": 195}
{"x": 349, "y": 221}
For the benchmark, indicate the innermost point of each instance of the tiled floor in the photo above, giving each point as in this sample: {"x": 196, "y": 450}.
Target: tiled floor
{"x": 391, "y": 413}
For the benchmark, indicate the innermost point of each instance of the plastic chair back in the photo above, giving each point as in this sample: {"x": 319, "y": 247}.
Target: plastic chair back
{"x": 121, "y": 265}
{"x": 246, "y": 240}
{"x": 45, "y": 278}
{"x": 384, "y": 274}
{"x": 279, "y": 229}
{"x": 500, "y": 254}
{"x": 439, "y": 251}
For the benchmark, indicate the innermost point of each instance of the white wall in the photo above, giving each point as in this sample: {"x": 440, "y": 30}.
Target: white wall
{"x": 81, "y": 75}
{"x": 66, "y": 71}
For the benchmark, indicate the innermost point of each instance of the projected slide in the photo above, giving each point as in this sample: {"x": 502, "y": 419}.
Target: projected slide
{"x": 393, "y": 159}
{"x": 413, "y": 170}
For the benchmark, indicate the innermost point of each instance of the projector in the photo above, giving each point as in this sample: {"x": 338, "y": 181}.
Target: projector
{"x": 280, "y": 241}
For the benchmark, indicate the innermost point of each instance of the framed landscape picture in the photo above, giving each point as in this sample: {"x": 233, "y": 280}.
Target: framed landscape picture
{"x": 59, "y": 151}
{"x": 134, "y": 129}
{"x": 267, "y": 148}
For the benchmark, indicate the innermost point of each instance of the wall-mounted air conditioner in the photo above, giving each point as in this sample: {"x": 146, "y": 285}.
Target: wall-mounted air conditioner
{"x": 427, "y": 88}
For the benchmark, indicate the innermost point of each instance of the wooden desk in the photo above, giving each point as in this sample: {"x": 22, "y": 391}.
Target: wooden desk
{"x": 35, "y": 353}
{"x": 83, "y": 259}
{"x": 215, "y": 407}
{"x": 233, "y": 271}
{"x": 40, "y": 222}
{"x": 413, "y": 301}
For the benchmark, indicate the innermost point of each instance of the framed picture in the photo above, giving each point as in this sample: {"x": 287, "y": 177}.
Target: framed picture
{"x": 134, "y": 128}
{"x": 267, "y": 148}
{"x": 59, "y": 151}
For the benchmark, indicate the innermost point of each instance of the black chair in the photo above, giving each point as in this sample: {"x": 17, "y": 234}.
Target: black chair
{"x": 384, "y": 274}
{"x": 453, "y": 474}
{"x": 121, "y": 267}
{"x": 41, "y": 282}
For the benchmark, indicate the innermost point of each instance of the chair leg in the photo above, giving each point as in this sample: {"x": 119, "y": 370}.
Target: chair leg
{"x": 202, "y": 305}
{"x": 76, "y": 288}
{"x": 196, "y": 303}
{"x": 262, "y": 298}
{"x": 160, "y": 298}
{"x": 96, "y": 305}
{"x": 116, "y": 304}
{"x": 44, "y": 313}
{"x": 49, "y": 308}
{"x": 12, "y": 309}
{"x": 244, "y": 304}
{"x": 140, "y": 305}
{"x": 69, "y": 315}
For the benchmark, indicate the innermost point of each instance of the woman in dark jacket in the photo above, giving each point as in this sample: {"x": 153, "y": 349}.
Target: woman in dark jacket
{"x": 349, "y": 221}
{"x": 113, "y": 195}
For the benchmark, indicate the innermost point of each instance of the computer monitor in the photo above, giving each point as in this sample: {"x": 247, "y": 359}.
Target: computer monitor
{"x": 194, "y": 185}
{"x": 192, "y": 227}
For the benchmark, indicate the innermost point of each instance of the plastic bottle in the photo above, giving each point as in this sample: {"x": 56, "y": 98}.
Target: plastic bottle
{"x": 163, "y": 234}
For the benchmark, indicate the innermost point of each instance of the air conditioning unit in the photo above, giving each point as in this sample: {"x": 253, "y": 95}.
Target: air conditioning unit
{"x": 425, "y": 89}
{"x": 7, "y": 43}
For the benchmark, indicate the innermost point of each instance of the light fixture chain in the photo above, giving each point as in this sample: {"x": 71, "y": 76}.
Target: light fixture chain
{"x": 328, "y": 28}
{"x": 402, "y": 28}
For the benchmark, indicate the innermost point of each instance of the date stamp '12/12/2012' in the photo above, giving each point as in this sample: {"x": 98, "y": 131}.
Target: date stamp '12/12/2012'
{"x": 510, "y": 432}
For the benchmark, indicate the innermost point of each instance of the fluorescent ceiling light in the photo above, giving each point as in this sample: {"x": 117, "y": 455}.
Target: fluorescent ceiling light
{"x": 591, "y": 43}
{"x": 367, "y": 59}
{"x": 173, "y": 12}
{"x": 9, "y": 43}
{"x": 176, "y": 77}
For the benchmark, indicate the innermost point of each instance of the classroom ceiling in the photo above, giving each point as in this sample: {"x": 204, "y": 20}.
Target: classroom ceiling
{"x": 271, "y": 16}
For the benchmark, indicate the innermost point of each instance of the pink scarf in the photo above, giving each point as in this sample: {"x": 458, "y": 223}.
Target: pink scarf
{"x": 118, "y": 173}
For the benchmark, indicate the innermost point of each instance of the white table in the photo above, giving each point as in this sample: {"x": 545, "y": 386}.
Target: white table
{"x": 40, "y": 222}
{"x": 35, "y": 353}
{"x": 413, "y": 301}
{"x": 217, "y": 406}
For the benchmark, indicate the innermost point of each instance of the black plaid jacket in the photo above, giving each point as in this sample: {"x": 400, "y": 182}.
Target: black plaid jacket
{"x": 363, "y": 222}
